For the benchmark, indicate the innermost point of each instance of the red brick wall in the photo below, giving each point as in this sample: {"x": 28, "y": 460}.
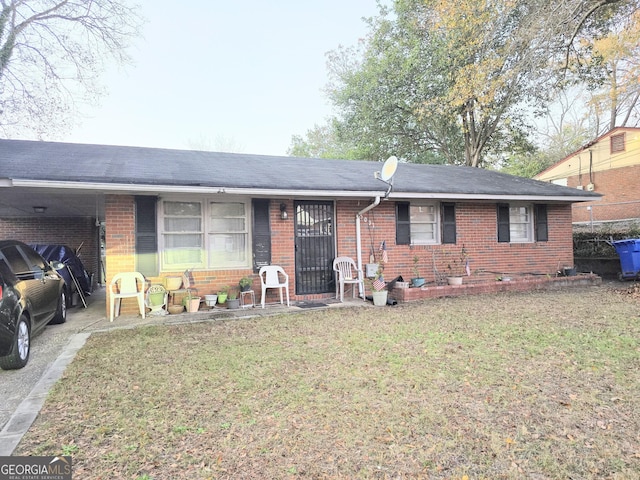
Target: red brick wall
{"x": 621, "y": 195}
{"x": 120, "y": 250}
{"x": 70, "y": 231}
{"x": 120, "y": 242}
{"x": 476, "y": 229}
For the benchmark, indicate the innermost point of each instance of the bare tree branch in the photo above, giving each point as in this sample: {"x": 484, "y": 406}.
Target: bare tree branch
{"x": 57, "y": 49}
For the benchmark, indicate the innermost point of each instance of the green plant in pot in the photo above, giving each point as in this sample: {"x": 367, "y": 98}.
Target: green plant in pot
{"x": 417, "y": 280}
{"x": 245, "y": 284}
{"x": 232, "y": 300}
{"x": 222, "y": 294}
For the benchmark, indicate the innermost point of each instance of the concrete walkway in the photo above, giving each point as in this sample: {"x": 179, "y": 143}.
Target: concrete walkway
{"x": 23, "y": 392}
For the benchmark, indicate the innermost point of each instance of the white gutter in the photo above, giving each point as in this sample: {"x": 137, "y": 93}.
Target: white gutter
{"x": 274, "y": 192}
{"x": 375, "y": 203}
{"x": 502, "y": 197}
{"x": 160, "y": 188}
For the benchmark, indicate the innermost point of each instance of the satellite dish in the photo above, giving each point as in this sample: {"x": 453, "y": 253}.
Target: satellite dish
{"x": 387, "y": 172}
{"x": 388, "y": 169}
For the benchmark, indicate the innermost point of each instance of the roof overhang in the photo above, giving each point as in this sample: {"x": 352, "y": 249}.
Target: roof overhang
{"x": 498, "y": 198}
{"x": 154, "y": 189}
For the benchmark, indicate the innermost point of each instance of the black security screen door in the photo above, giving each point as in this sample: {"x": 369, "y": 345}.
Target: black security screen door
{"x": 314, "y": 247}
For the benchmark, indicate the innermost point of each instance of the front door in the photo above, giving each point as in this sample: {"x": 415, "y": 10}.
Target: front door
{"x": 314, "y": 247}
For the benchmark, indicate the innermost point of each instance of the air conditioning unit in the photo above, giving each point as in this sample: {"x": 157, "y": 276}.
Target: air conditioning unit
{"x": 579, "y": 187}
{"x": 590, "y": 187}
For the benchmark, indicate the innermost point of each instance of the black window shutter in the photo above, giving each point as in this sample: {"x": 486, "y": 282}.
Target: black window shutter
{"x": 146, "y": 236}
{"x": 503, "y": 223}
{"x": 403, "y": 224}
{"x": 448, "y": 223}
{"x": 542, "y": 228}
{"x": 261, "y": 233}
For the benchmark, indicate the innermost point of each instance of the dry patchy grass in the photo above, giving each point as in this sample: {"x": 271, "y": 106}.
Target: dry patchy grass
{"x": 510, "y": 386}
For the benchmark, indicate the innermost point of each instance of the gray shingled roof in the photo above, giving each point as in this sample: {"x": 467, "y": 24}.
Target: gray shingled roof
{"x": 136, "y": 166}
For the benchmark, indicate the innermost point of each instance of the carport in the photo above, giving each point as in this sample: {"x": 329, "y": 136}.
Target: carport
{"x": 45, "y": 212}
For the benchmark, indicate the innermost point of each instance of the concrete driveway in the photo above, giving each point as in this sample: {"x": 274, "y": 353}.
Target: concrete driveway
{"x": 46, "y": 348}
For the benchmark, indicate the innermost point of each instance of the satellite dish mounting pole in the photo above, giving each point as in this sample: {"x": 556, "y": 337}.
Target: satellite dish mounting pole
{"x": 386, "y": 175}
{"x": 375, "y": 203}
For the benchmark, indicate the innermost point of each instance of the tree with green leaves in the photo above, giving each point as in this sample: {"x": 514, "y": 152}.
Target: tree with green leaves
{"x": 323, "y": 141}
{"x": 458, "y": 81}
{"x": 51, "y": 55}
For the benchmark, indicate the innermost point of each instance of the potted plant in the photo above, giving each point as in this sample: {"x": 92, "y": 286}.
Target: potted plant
{"x": 379, "y": 289}
{"x": 192, "y": 302}
{"x": 457, "y": 267}
{"x": 417, "y": 280}
{"x": 222, "y": 294}
{"x": 245, "y": 284}
{"x": 232, "y": 300}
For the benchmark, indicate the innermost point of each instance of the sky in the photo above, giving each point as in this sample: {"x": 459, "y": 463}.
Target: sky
{"x": 224, "y": 75}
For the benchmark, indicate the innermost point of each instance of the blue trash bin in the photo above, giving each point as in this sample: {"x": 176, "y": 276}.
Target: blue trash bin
{"x": 629, "y": 253}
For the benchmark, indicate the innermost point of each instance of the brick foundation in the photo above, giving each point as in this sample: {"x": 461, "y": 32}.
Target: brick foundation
{"x": 478, "y": 287}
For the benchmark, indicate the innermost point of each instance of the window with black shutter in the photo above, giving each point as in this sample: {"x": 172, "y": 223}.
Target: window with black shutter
{"x": 448, "y": 223}
{"x": 504, "y": 234}
{"x": 423, "y": 223}
{"x": 146, "y": 236}
{"x": 403, "y": 224}
{"x": 261, "y": 234}
{"x": 541, "y": 228}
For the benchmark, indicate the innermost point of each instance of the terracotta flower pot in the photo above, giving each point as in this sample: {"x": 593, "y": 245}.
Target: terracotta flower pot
{"x": 193, "y": 304}
{"x": 175, "y": 309}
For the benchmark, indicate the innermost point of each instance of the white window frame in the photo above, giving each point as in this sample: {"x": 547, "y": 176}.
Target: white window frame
{"x": 207, "y": 231}
{"x": 515, "y": 219}
{"x": 436, "y": 223}
{"x": 213, "y": 231}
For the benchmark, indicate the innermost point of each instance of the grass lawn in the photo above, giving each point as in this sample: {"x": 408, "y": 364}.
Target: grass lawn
{"x": 537, "y": 385}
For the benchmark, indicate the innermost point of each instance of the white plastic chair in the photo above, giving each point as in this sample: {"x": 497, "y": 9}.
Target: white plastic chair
{"x": 347, "y": 273}
{"x": 270, "y": 277}
{"x": 157, "y": 307}
{"x": 126, "y": 285}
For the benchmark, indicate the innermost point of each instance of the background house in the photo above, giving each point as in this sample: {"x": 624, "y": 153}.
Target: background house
{"x": 609, "y": 165}
{"x": 223, "y": 215}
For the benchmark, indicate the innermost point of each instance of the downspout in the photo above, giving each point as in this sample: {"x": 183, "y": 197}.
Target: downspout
{"x": 375, "y": 203}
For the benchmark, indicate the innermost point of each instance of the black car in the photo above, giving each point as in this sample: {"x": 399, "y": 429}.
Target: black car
{"x": 31, "y": 296}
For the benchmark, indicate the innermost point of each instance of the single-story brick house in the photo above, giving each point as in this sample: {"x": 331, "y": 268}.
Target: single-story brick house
{"x": 224, "y": 215}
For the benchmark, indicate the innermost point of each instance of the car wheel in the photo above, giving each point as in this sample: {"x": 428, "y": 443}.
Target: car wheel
{"x": 19, "y": 355}
{"x": 61, "y": 312}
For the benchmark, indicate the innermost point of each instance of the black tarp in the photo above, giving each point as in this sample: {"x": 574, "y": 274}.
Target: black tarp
{"x": 68, "y": 256}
